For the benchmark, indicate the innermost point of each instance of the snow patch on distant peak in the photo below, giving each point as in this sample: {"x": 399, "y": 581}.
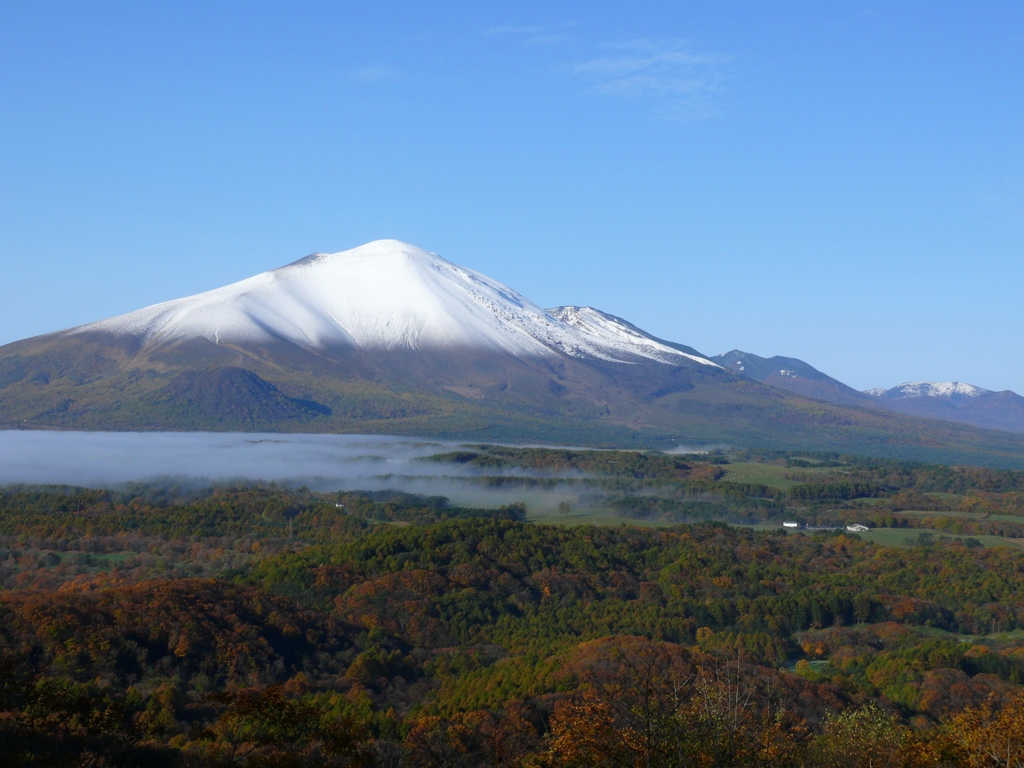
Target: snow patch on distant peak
{"x": 938, "y": 389}
{"x": 875, "y": 391}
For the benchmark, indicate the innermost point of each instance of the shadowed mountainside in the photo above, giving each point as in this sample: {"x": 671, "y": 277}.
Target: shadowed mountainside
{"x": 95, "y": 381}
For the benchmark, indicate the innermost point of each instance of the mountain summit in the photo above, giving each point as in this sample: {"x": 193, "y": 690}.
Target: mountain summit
{"x": 793, "y": 375}
{"x": 953, "y": 390}
{"x": 389, "y": 338}
{"x": 955, "y": 401}
{"x": 387, "y": 295}
{"x": 385, "y": 337}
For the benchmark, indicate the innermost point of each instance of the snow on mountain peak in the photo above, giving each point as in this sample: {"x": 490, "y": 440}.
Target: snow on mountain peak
{"x": 939, "y": 389}
{"x": 386, "y": 295}
{"x": 611, "y": 336}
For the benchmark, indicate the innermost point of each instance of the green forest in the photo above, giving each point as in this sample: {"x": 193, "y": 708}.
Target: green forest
{"x": 620, "y": 608}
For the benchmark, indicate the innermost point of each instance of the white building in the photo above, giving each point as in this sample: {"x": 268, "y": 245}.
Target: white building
{"x": 857, "y": 528}
{"x": 790, "y": 524}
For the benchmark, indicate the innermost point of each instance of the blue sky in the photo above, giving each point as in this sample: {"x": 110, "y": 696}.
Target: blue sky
{"x": 841, "y": 182}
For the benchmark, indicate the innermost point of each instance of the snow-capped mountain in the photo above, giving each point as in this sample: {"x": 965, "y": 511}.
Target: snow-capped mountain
{"x": 388, "y": 295}
{"x": 949, "y": 401}
{"x": 955, "y": 401}
{"x": 948, "y": 389}
{"x": 388, "y": 338}
{"x": 385, "y": 333}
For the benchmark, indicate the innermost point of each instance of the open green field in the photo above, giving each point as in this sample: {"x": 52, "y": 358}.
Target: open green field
{"x": 771, "y": 474}
{"x": 765, "y": 474}
{"x": 965, "y": 515}
{"x": 1015, "y": 635}
{"x": 896, "y": 537}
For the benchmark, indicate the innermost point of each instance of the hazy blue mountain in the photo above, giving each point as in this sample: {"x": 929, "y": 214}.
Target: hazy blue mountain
{"x": 955, "y": 401}
{"x": 794, "y": 376}
{"x": 948, "y": 401}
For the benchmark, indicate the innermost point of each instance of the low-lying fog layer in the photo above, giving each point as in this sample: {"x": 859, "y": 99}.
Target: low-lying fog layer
{"x": 323, "y": 462}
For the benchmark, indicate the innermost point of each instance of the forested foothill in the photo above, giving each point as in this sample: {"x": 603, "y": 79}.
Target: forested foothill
{"x": 258, "y": 625}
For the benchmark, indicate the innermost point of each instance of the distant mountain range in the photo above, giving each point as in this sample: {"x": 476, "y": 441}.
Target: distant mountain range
{"x": 389, "y": 338}
{"x": 794, "y": 376}
{"x": 949, "y": 401}
{"x": 954, "y": 401}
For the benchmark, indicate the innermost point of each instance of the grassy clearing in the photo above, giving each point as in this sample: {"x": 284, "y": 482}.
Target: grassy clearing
{"x": 900, "y": 537}
{"x": 965, "y": 515}
{"x": 772, "y": 474}
{"x": 765, "y": 474}
{"x": 1014, "y": 635}
{"x": 863, "y": 502}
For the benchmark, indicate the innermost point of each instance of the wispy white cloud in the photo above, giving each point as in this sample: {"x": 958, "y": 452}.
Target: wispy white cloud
{"x": 375, "y": 74}
{"x": 679, "y": 79}
{"x": 540, "y": 34}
